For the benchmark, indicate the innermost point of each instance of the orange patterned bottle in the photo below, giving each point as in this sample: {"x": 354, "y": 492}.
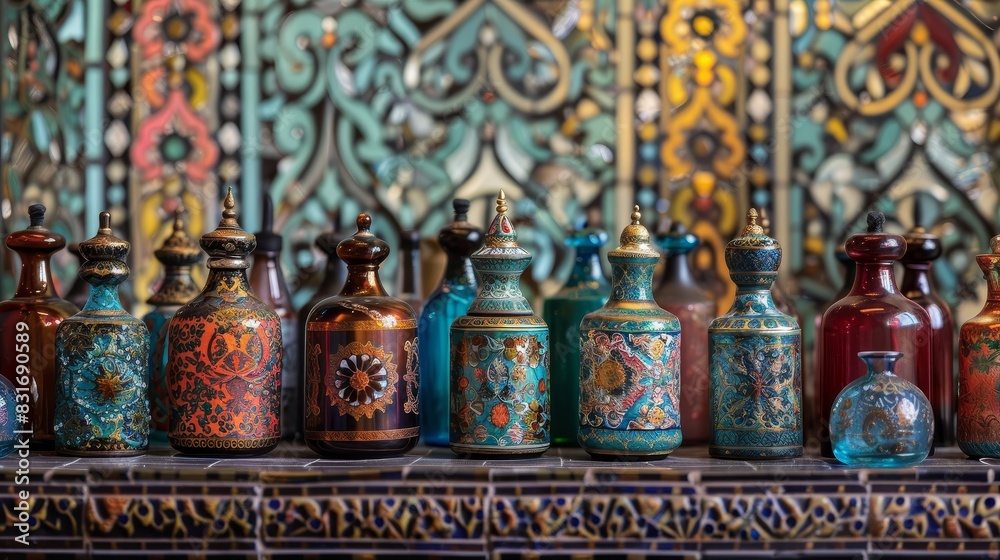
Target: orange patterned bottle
{"x": 224, "y": 370}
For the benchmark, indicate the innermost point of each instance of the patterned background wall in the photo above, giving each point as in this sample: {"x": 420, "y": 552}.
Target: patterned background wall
{"x": 694, "y": 109}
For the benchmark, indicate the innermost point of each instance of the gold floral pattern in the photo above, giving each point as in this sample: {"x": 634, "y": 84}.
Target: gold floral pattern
{"x": 361, "y": 380}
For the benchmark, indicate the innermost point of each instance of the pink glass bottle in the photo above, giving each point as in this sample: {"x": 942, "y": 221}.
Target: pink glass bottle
{"x": 875, "y": 316}
{"x": 922, "y": 249}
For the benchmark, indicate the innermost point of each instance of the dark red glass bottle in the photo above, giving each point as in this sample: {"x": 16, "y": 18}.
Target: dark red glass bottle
{"x": 28, "y": 324}
{"x": 875, "y": 316}
{"x": 922, "y": 249}
{"x": 810, "y": 411}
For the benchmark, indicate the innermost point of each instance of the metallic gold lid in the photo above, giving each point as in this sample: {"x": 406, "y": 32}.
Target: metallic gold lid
{"x": 634, "y": 241}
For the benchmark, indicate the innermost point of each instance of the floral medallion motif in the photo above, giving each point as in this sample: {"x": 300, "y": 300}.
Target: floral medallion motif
{"x": 361, "y": 380}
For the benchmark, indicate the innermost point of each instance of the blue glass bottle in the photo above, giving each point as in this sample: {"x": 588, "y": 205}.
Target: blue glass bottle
{"x": 8, "y": 418}
{"x": 102, "y": 362}
{"x": 880, "y": 419}
{"x": 585, "y": 291}
{"x": 450, "y": 300}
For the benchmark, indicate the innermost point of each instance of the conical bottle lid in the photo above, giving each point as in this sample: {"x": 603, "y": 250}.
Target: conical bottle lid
{"x": 105, "y": 254}
{"x": 634, "y": 242}
{"x": 178, "y": 249}
{"x": 228, "y": 245}
{"x": 501, "y": 238}
{"x": 178, "y": 253}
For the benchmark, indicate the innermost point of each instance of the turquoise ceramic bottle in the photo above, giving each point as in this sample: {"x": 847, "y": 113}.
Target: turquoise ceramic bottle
{"x": 630, "y": 361}
{"x": 881, "y": 420}
{"x": 178, "y": 254}
{"x": 449, "y": 301}
{"x": 585, "y": 291}
{"x": 500, "y": 357}
{"x": 755, "y": 353}
{"x": 102, "y": 362}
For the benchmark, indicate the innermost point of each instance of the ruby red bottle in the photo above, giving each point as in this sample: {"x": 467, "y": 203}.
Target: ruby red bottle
{"x": 810, "y": 410}
{"x": 875, "y": 316}
{"x": 922, "y": 249}
{"x": 28, "y": 324}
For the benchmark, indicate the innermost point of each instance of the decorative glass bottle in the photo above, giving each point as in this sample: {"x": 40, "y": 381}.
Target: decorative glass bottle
{"x": 28, "y": 324}
{"x": 922, "y": 249}
{"x": 449, "y": 301}
{"x": 361, "y": 398}
{"x": 979, "y": 368}
{"x": 811, "y": 414}
{"x": 224, "y": 364}
{"x": 178, "y": 254}
{"x": 695, "y": 308}
{"x": 585, "y": 291}
{"x": 102, "y": 362}
{"x": 80, "y": 290}
{"x": 881, "y": 420}
{"x": 8, "y": 417}
{"x": 500, "y": 357}
{"x": 630, "y": 361}
{"x": 755, "y": 394}
{"x": 409, "y": 287}
{"x": 874, "y": 316}
{"x": 268, "y": 283}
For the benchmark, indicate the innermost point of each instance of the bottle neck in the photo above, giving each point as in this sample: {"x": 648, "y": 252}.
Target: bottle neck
{"x": 587, "y": 268}
{"x": 993, "y": 284}
{"x": 333, "y": 280}
{"x": 755, "y": 301}
{"x": 36, "y": 276}
{"x": 874, "y": 279}
{"x": 631, "y": 281}
{"x": 363, "y": 280}
{"x": 268, "y": 282}
{"x": 103, "y": 297}
{"x": 917, "y": 279}
{"x": 459, "y": 271}
{"x": 677, "y": 270}
{"x": 227, "y": 280}
{"x": 409, "y": 275}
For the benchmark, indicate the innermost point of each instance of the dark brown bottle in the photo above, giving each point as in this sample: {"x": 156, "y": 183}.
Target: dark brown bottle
{"x": 361, "y": 362}
{"x": 268, "y": 283}
{"x": 80, "y": 290}
{"x": 28, "y": 324}
{"x": 922, "y": 249}
{"x": 410, "y": 286}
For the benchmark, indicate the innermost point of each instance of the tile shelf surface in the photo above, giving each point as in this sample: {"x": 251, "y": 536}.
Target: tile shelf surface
{"x": 431, "y": 503}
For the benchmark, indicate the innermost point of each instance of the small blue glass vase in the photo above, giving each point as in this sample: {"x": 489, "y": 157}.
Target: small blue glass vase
{"x": 585, "y": 291}
{"x": 449, "y": 301}
{"x": 880, "y": 419}
{"x": 8, "y": 417}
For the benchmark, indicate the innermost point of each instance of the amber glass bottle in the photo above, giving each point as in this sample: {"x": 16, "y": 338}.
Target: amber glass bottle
{"x": 361, "y": 362}
{"x": 28, "y": 324}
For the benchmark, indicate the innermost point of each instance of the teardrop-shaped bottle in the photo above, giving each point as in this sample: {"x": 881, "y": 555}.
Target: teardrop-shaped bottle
{"x": 449, "y": 301}
{"x": 224, "y": 364}
{"x": 28, "y": 324}
{"x": 500, "y": 357}
{"x": 102, "y": 357}
{"x": 630, "y": 361}
{"x": 362, "y": 370}
{"x": 585, "y": 291}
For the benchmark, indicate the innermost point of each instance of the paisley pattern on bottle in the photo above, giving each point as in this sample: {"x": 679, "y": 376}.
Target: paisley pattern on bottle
{"x": 411, "y": 377}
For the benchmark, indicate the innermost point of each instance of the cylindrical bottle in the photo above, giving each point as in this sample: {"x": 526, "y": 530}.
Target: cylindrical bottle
{"x": 178, "y": 254}
{"x": 361, "y": 393}
{"x": 630, "y": 362}
{"x": 500, "y": 357}
{"x": 224, "y": 370}
{"x": 268, "y": 283}
{"x": 102, "y": 362}
{"x": 755, "y": 396}
{"x": 28, "y": 324}
{"x": 409, "y": 286}
{"x": 873, "y": 317}
{"x": 979, "y": 368}
{"x": 449, "y": 301}
{"x": 922, "y": 249}
{"x": 585, "y": 291}
{"x": 695, "y": 308}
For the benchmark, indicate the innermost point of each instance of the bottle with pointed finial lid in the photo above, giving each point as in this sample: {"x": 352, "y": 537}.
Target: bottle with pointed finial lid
{"x": 500, "y": 357}
{"x": 586, "y": 290}
{"x": 755, "y": 352}
{"x": 79, "y": 291}
{"x": 810, "y": 409}
{"x": 268, "y": 283}
{"x": 361, "y": 367}
{"x": 979, "y": 368}
{"x": 409, "y": 286}
{"x": 922, "y": 249}
{"x": 28, "y": 324}
{"x": 178, "y": 255}
{"x": 224, "y": 358}
{"x": 874, "y": 316}
{"x": 630, "y": 361}
{"x": 102, "y": 357}
{"x": 695, "y": 308}
{"x": 449, "y": 301}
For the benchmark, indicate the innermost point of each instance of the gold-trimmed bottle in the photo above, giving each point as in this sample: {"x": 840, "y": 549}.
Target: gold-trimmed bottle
{"x": 362, "y": 368}
{"x": 102, "y": 362}
{"x": 500, "y": 357}
{"x": 224, "y": 364}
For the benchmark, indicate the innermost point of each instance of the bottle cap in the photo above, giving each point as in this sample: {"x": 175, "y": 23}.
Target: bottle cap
{"x": 105, "y": 254}
{"x": 678, "y": 241}
{"x": 36, "y": 237}
{"x": 363, "y": 247}
{"x": 753, "y": 257}
{"x": 634, "y": 242}
{"x": 178, "y": 253}
{"x": 875, "y": 245}
{"x": 460, "y": 238}
{"x": 228, "y": 245}
{"x": 921, "y": 246}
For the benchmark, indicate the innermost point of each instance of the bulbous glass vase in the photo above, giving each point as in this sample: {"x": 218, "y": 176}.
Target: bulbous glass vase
{"x": 881, "y": 420}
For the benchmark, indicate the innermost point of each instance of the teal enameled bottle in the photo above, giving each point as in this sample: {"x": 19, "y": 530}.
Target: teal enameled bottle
{"x": 500, "y": 357}
{"x": 449, "y": 301}
{"x": 881, "y": 420}
{"x": 178, "y": 254}
{"x": 585, "y": 291}
{"x": 102, "y": 362}
{"x": 755, "y": 353}
{"x": 630, "y": 362}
